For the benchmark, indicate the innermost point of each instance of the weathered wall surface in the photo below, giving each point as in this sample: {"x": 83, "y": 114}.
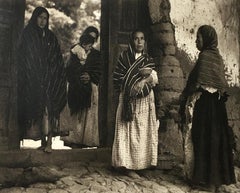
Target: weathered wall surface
{"x": 171, "y": 78}
{"x": 188, "y": 15}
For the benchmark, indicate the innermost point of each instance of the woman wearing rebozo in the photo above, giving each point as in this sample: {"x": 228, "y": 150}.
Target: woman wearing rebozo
{"x": 210, "y": 162}
{"x": 84, "y": 71}
{"x": 41, "y": 81}
{"x": 136, "y": 128}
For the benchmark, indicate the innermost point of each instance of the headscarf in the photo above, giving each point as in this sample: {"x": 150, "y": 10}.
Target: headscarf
{"x": 91, "y": 29}
{"x": 209, "y": 35}
{"x": 126, "y": 76}
{"x": 209, "y": 68}
{"x": 38, "y": 11}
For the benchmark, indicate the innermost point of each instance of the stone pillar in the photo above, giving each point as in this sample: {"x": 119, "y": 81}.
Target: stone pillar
{"x": 11, "y": 24}
{"x": 171, "y": 82}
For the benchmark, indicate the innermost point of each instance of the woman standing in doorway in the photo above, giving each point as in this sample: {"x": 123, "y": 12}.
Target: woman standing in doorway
{"x": 136, "y": 129}
{"x": 205, "y": 95}
{"x": 83, "y": 74}
{"x": 41, "y": 81}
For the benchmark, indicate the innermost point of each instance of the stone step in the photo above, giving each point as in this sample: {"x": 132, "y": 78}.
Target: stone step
{"x": 32, "y": 157}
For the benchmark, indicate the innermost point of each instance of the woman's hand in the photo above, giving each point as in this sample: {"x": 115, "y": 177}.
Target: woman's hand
{"x": 149, "y": 80}
{"x": 138, "y": 88}
{"x": 85, "y": 77}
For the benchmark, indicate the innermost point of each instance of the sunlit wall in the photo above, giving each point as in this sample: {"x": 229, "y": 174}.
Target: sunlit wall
{"x": 188, "y": 15}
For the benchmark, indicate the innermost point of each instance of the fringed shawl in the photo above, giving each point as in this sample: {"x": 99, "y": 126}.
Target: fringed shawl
{"x": 79, "y": 93}
{"x": 209, "y": 68}
{"x": 126, "y": 75}
{"x": 41, "y": 77}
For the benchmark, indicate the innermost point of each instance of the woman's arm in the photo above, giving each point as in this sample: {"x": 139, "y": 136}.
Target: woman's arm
{"x": 151, "y": 80}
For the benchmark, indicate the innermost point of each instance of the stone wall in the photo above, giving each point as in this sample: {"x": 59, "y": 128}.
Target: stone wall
{"x": 233, "y": 110}
{"x": 171, "y": 79}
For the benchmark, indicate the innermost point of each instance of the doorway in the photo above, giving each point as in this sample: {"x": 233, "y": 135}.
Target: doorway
{"x": 114, "y": 19}
{"x": 68, "y": 19}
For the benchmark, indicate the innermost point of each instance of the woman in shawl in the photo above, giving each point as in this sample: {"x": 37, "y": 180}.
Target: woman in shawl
{"x": 83, "y": 74}
{"x": 136, "y": 129}
{"x": 205, "y": 95}
{"x": 41, "y": 81}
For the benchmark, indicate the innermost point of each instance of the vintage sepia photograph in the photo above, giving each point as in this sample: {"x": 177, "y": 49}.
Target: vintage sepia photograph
{"x": 119, "y": 96}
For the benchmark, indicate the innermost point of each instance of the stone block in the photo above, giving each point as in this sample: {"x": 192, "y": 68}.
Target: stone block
{"x": 10, "y": 176}
{"x": 168, "y": 97}
{"x": 36, "y": 190}
{"x": 236, "y": 130}
{"x": 170, "y": 50}
{"x": 15, "y": 159}
{"x": 162, "y": 27}
{"x": 170, "y": 71}
{"x": 13, "y": 190}
{"x": 30, "y": 158}
{"x": 58, "y": 191}
{"x": 233, "y": 109}
{"x": 164, "y": 38}
{"x": 165, "y": 162}
{"x": 171, "y": 84}
{"x": 170, "y": 61}
{"x": 170, "y": 138}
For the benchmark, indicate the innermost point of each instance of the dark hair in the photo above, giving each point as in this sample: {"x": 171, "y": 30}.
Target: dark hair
{"x": 86, "y": 39}
{"x": 134, "y": 32}
{"x": 138, "y": 30}
{"x": 91, "y": 29}
{"x": 38, "y": 11}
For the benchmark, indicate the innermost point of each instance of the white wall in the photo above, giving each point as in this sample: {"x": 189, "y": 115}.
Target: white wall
{"x": 188, "y": 15}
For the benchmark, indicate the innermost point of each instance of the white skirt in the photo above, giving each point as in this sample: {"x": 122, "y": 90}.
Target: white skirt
{"x": 136, "y": 143}
{"x": 85, "y": 124}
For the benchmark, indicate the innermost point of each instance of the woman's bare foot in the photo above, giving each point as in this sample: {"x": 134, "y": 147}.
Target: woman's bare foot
{"x": 43, "y": 144}
{"x": 48, "y": 149}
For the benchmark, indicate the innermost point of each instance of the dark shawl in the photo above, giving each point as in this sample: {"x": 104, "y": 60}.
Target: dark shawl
{"x": 79, "y": 93}
{"x": 41, "y": 75}
{"x": 126, "y": 75}
{"x": 209, "y": 68}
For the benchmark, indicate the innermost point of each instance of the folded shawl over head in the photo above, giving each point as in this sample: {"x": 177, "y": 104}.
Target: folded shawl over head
{"x": 209, "y": 68}
{"x": 79, "y": 93}
{"x": 126, "y": 75}
{"x": 41, "y": 75}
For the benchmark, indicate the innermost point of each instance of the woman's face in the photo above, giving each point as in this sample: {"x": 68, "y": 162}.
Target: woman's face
{"x": 42, "y": 20}
{"x": 138, "y": 41}
{"x": 199, "y": 41}
{"x": 87, "y": 47}
{"x": 93, "y": 34}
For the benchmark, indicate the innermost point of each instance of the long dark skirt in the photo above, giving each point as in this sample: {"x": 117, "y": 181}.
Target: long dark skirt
{"x": 212, "y": 142}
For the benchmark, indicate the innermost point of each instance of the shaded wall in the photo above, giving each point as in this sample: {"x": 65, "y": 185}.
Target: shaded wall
{"x": 11, "y": 22}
